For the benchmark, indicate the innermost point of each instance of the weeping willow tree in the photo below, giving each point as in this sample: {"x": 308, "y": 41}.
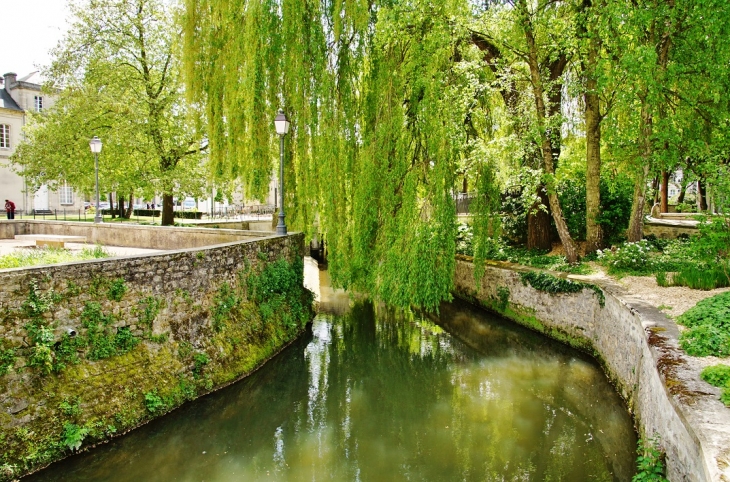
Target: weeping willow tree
{"x": 383, "y": 118}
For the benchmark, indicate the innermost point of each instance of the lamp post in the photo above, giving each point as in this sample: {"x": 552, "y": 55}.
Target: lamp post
{"x": 95, "y": 145}
{"x": 282, "y": 128}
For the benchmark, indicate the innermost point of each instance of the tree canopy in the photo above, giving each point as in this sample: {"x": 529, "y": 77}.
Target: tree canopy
{"x": 396, "y": 103}
{"x": 117, "y": 76}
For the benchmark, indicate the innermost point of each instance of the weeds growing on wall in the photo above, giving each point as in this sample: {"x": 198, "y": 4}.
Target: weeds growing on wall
{"x": 278, "y": 289}
{"x": 650, "y": 462}
{"x": 117, "y": 288}
{"x": 7, "y": 358}
{"x": 226, "y": 299}
{"x": 709, "y": 327}
{"x": 548, "y": 283}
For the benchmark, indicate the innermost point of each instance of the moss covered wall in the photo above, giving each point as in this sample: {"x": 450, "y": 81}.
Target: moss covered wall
{"x": 89, "y": 350}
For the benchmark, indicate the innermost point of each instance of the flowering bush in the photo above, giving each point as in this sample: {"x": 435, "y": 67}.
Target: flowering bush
{"x": 632, "y": 257}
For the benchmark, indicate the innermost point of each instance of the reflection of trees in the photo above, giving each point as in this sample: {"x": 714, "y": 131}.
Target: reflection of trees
{"x": 378, "y": 395}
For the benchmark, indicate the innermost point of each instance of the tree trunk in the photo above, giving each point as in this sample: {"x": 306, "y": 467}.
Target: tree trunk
{"x": 548, "y": 138}
{"x": 168, "y": 218}
{"x": 594, "y": 233}
{"x": 636, "y": 223}
{"x": 702, "y": 194}
{"x": 111, "y": 206}
{"x": 120, "y": 205}
{"x": 130, "y": 208}
{"x": 682, "y": 190}
{"x": 538, "y": 223}
{"x": 664, "y": 207}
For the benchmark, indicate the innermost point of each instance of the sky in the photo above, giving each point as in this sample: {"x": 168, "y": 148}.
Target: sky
{"x": 30, "y": 28}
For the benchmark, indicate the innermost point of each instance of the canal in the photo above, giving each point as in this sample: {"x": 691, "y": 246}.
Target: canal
{"x": 370, "y": 394}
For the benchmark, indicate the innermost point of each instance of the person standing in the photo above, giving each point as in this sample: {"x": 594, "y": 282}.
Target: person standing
{"x": 10, "y": 209}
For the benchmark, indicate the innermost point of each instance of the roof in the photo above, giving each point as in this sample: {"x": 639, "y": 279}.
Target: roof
{"x": 8, "y": 101}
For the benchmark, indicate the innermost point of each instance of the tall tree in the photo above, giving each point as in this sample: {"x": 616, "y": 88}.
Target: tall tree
{"x": 117, "y": 73}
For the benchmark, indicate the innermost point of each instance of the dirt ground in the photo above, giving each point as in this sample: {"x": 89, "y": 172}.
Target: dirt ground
{"x": 672, "y": 300}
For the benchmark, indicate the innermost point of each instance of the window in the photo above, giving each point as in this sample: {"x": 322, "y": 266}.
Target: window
{"x": 38, "y": 103}
{"x": 66, "y": 193}
{"x": 4, "y": 136}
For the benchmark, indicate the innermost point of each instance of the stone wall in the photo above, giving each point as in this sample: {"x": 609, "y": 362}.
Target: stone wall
{"x": 638, "y": 348}
{"x": 131, "y": 235}
{"x": 667, "y": 230}
{"x": 98, "y": 347}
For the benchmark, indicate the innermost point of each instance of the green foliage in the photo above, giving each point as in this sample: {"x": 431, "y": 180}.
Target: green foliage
{"x": 73, "y": 436}
{"x": 717, "y": 375}
{"x": 123, "y": 85}
{"x": 101, "y": 341}
{"x": 701, "y": 279}
{"x": 279, "y": 286}
{"x": 650, "y": 462}
{"x": 7, "y": 358}
{"x": 503, "y": 296}
{"x": 632, "y": 258}
{"x": 552, "y": 284}
{"x": 496, "y": 249}
{"x": 33, "y": 257}
{"x": 225, "y": 300}
{"x": 149, "y": 308}
{"x": 200, "y": 360}
{"x": 117, "y": 288}
{"x": 70, "y": 408}
{"x": 709, "y": 327}
{"x": 184, "y": 350}
{"x": 153, "y": 402}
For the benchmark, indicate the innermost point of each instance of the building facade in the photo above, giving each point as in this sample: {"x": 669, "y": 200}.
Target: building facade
{"x": 18, "y": 97}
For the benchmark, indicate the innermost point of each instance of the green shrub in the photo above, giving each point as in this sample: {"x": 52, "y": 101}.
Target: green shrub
{"x": 552, "y": 284}
{"x": 124, "y": 341}
{"x": 200, "y": 360}
{"x": 717, "y": 375}
{"x": 709, "y": 327}
{"x": 629, "y": 257}
{"x": 73, "y": 436}
{"x": 7, "y": 359}
{"x": 153, "y": 402}
{"x": 649, "y": 463}
{"x": 225, "y": 301}
{"x": 503, "y": 296}
{"x": 70, "y": 408}
{"x": 117, "y": 288}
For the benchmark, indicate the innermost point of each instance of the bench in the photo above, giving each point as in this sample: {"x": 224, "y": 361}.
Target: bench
{"x": 51, "y": 240}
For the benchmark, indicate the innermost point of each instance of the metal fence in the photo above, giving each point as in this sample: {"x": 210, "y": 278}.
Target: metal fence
{"x": 463, "y": 201}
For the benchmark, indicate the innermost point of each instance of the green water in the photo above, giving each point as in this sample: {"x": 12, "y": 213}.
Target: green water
{"x": 372, "y": 396}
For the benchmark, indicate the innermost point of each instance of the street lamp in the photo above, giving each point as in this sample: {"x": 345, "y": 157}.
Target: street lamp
{"x": 282, "y": 128}
{"x": 95, "y": 145}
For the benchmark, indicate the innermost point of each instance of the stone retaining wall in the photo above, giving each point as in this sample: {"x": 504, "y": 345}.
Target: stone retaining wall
{"x": 668, "y": 231}
{"x": 130, "y": 338}
{"x": 638, "y": 348}
{"x": 132, "y": 235}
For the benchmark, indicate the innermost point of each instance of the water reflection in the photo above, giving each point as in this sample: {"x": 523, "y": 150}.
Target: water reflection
{"x": 373, "y": 395}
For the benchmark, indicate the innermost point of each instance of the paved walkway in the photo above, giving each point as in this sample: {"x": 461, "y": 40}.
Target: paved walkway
{"x": 9, "y": 246}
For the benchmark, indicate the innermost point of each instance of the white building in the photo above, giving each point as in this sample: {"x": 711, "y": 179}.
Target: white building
{"x": 17, "y": 98}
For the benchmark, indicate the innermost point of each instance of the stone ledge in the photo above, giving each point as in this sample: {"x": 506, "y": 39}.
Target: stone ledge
{"x": 639, "y": 350}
